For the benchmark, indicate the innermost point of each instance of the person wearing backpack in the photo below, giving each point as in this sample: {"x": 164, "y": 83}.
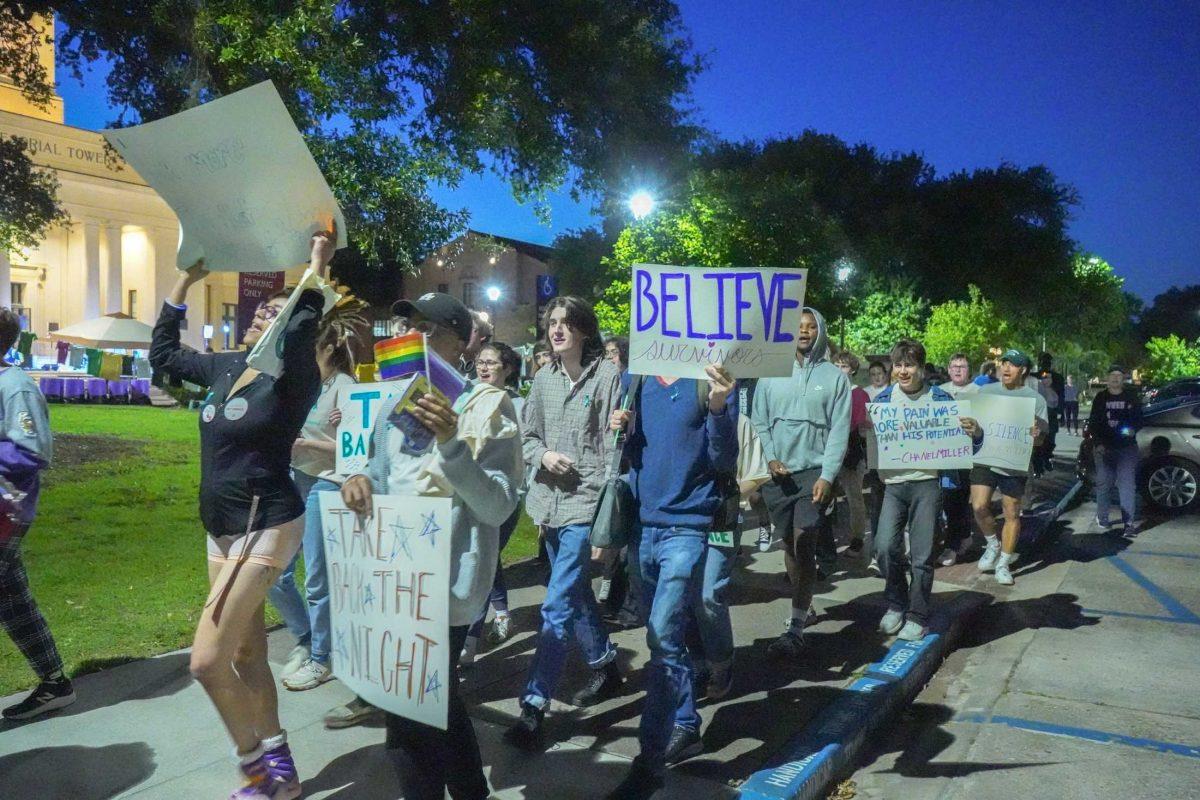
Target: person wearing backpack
{"x": 678, "y": 449}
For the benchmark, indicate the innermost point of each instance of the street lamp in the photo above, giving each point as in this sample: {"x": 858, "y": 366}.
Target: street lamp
{"x": 641, "y": 203}
{"x": 493, "y": 293}
{"x": 844, "y": 271}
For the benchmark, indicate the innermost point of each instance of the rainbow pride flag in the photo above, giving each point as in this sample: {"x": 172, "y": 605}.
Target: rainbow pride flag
{"x": 400, "y": 356}
{"x": 406, "y": 355}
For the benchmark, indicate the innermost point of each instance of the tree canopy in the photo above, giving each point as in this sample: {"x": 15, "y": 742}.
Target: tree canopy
{"x": 1175, "y": 311}
{"x": 1170, "y": 357}
{"x": 392, "y": 94}
{"x": 972, "y": 327}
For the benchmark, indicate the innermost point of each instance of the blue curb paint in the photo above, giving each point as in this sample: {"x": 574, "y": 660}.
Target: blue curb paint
{"x": 1088, "y": 734}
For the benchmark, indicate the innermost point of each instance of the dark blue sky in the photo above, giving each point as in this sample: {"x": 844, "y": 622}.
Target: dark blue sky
{"x": 1107, "y": 94}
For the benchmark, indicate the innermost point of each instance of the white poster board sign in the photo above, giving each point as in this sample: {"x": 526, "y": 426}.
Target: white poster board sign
{"x": 389, "y": 591}
{"x": 360, "y": 406}
{"x": 924, "y": 435}
{"x": 238, "y": 175}
{"x": 267, "y": 355}
{"x": 1006, "y": 423}
{"x": 685, "y": 318}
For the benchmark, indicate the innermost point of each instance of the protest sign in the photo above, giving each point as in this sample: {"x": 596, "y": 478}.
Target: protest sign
{"x": 389, "y": 591}
{"x": 685, "y": 318}
{"x": 238, "y": 175}
{"x": 924, "y": 435}
{"x": 1006, "y": 424}
{"x": 360, "y": 406}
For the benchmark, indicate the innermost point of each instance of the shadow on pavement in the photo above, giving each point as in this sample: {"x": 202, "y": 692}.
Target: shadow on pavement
{"x": 75, "y": 771}
{"x": 915, "y": 757}
{"x": 363, "y": 774}
{"x": 1002, "y": 619}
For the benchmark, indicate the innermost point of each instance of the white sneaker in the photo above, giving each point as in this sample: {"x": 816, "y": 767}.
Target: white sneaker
{"x": 991, "y": 554}
{"x": 913, "y": 631}
{"x": 470, "y": 648}
{"x": 874, "y": 569}
{"x": 892, "y": 622}
{"x": 1003, "y": 575}
{"x": 605, "y": 590}
{"x": 311, "y": 675}
{"x": 764, "y": 539}
{"x": 296, "y": 659}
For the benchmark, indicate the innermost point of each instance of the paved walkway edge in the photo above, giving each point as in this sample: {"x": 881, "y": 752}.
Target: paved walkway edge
{"x": 832, "y": 743}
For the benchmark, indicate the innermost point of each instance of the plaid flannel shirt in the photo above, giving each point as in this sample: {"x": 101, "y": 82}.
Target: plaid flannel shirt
{"x": 571, "y": 419}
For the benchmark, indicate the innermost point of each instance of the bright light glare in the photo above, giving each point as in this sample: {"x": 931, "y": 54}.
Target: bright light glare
{"x": 844, "y": 273}
{"x": 493, "y": 293}
{"x": 641, "y": 203}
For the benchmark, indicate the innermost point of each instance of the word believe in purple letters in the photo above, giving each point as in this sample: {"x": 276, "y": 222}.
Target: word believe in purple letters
{"x": 737, "y": 288}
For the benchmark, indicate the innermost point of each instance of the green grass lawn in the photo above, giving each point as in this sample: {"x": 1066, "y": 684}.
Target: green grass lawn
{"x": 116, "y": 556}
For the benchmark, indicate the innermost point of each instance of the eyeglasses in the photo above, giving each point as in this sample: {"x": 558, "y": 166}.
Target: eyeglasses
{"x": 489, "y": 364}
{"x": 267, "y": 311}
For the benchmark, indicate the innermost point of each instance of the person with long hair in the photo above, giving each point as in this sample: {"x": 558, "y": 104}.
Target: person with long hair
{"x": 567, "y": 448}
{"x": 313, "y": 457}
{"x": 497, "y": 365}
{"x": 252, "y": 511}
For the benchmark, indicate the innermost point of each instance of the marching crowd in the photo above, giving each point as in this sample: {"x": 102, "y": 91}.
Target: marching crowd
{"x": 695, "y": 460}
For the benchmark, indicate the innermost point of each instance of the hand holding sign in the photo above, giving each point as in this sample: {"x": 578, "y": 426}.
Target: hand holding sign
{"x": 720, "y": 386}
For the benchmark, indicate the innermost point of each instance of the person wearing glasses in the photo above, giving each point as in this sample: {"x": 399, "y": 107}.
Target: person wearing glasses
{"x": 251, "y": 509}
{"x": 475, "y": 459}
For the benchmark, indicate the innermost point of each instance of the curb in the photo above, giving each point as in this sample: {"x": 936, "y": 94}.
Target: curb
{"x": 805, "y": 766}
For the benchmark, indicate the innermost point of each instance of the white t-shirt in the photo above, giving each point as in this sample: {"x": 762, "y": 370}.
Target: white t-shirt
{"x": 316, "y": 428}
{"x": 1040, "y": 414}
{"x": 960, "y": 391}
{"x": 872, "y": 391}
{"x": 899, "y": 398}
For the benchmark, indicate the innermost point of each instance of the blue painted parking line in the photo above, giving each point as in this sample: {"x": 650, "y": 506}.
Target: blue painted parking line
{"x": 1160, "y": 554}
{"x": 1161, "y": 596}
{"x": 1087, "y": 734}
{"x": 1152, "y": 617}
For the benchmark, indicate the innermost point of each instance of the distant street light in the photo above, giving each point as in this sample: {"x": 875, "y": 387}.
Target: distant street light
{"x": 493, "y": 293}
{"x": 844, "y": 271}
{"x": 641, "y": 203}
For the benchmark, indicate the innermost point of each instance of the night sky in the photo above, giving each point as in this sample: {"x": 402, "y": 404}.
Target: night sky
{"x": 1106, "y": 94}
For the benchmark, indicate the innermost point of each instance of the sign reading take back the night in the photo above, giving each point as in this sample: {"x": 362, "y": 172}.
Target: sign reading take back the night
{"x": 389, "y": 592}
{"x": 684, "y": 318}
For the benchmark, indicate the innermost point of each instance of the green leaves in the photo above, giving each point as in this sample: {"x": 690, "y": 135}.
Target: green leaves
{"x": 28, "y": 204}
{"x": 1170, "y": 357}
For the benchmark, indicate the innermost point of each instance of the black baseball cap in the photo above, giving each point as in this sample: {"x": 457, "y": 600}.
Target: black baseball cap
{"x": 440, "y": 308}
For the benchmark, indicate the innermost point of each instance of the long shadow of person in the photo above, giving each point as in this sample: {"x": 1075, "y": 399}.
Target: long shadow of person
{"x": 999, "y": 620}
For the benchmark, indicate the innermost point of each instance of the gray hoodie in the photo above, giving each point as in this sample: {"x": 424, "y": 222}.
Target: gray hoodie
{"x": 803, "y": 420}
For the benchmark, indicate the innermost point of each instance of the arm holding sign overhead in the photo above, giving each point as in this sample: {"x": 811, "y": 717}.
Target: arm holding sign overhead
{"x": 300, "y": 371}
{"x": 721, "y": 423}
{"x": 166, "y": 353}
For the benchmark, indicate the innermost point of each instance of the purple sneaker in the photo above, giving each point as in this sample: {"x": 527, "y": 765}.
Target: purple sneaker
{"x": 271, "y": 777}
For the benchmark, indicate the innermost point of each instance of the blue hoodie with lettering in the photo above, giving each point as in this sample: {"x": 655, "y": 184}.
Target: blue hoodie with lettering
{"x": 803, "y": 420}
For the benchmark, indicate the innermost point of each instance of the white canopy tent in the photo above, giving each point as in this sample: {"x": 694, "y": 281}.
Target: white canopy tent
{"x": 110, "y": 332}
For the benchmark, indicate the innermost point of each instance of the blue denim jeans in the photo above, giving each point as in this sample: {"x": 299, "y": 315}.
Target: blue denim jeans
{"x": 1116, "y": 466}
{"x": 668, "y": 570}
{"x": 308, "y": 621}
{"x": 568, "y": 610}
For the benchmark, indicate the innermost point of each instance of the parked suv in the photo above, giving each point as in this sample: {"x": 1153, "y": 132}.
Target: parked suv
{"x": 1168, "y": 455}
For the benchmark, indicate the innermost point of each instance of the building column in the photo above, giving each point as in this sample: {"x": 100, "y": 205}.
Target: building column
{"x": 113, "y": 300}
{"x": 5, "y": 280}
{"x": 91, "y": 270}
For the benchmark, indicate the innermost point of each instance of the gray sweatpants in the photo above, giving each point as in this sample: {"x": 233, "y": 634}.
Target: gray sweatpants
{"x": 916, "y": 504}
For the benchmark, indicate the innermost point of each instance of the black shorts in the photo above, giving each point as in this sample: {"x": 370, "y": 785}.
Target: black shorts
{"x": 1009, "y": 485}
{"x": 789, "y": 501}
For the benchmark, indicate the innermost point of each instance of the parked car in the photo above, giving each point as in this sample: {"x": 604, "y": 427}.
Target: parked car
{"x": 1172, "y": 390}
{"x": 1168, "y": 455}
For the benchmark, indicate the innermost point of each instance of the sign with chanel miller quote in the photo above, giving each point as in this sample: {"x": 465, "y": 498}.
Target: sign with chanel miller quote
{"x": 684, "y": 318}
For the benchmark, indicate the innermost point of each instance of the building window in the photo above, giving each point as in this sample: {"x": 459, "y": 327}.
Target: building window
{"x": 229, "y": 325}
{"x": 468, "y": 294}
{"x": 132, "y": 308}
{"x": 444, "y": 288}
{"x": 18, "y": 294}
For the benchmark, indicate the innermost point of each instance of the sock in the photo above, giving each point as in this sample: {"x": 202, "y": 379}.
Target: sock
{"x": 55, "y": 677}
{"x": 251, "y": 757}
{"x": 1005, "y": 559}
{"x": 992, "y": 541}
{"x": 500, "y": 614}
{"x": 275, "y": 742}
{"x": 798, "y": 617}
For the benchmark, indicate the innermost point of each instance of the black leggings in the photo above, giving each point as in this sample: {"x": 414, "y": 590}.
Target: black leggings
{"x": 1071, "y": 416}
{"x": 429, "y": 760}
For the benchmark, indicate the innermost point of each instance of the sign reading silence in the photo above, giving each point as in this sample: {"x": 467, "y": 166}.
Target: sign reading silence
{"x": 240, "y": 178}
{"x": 685, "y": 318}
{"x": 923, "y": 435}
{"x": 1007, "y": 423}
{"x": 389, "y": 590}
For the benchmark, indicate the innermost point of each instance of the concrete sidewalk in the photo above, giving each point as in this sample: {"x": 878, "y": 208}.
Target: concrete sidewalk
{"x": 1077, "y": 683}
{"x": 145, "y": 730}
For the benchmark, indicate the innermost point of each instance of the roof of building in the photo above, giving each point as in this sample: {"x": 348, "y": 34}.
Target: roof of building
{"x": 539, "y": 251}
